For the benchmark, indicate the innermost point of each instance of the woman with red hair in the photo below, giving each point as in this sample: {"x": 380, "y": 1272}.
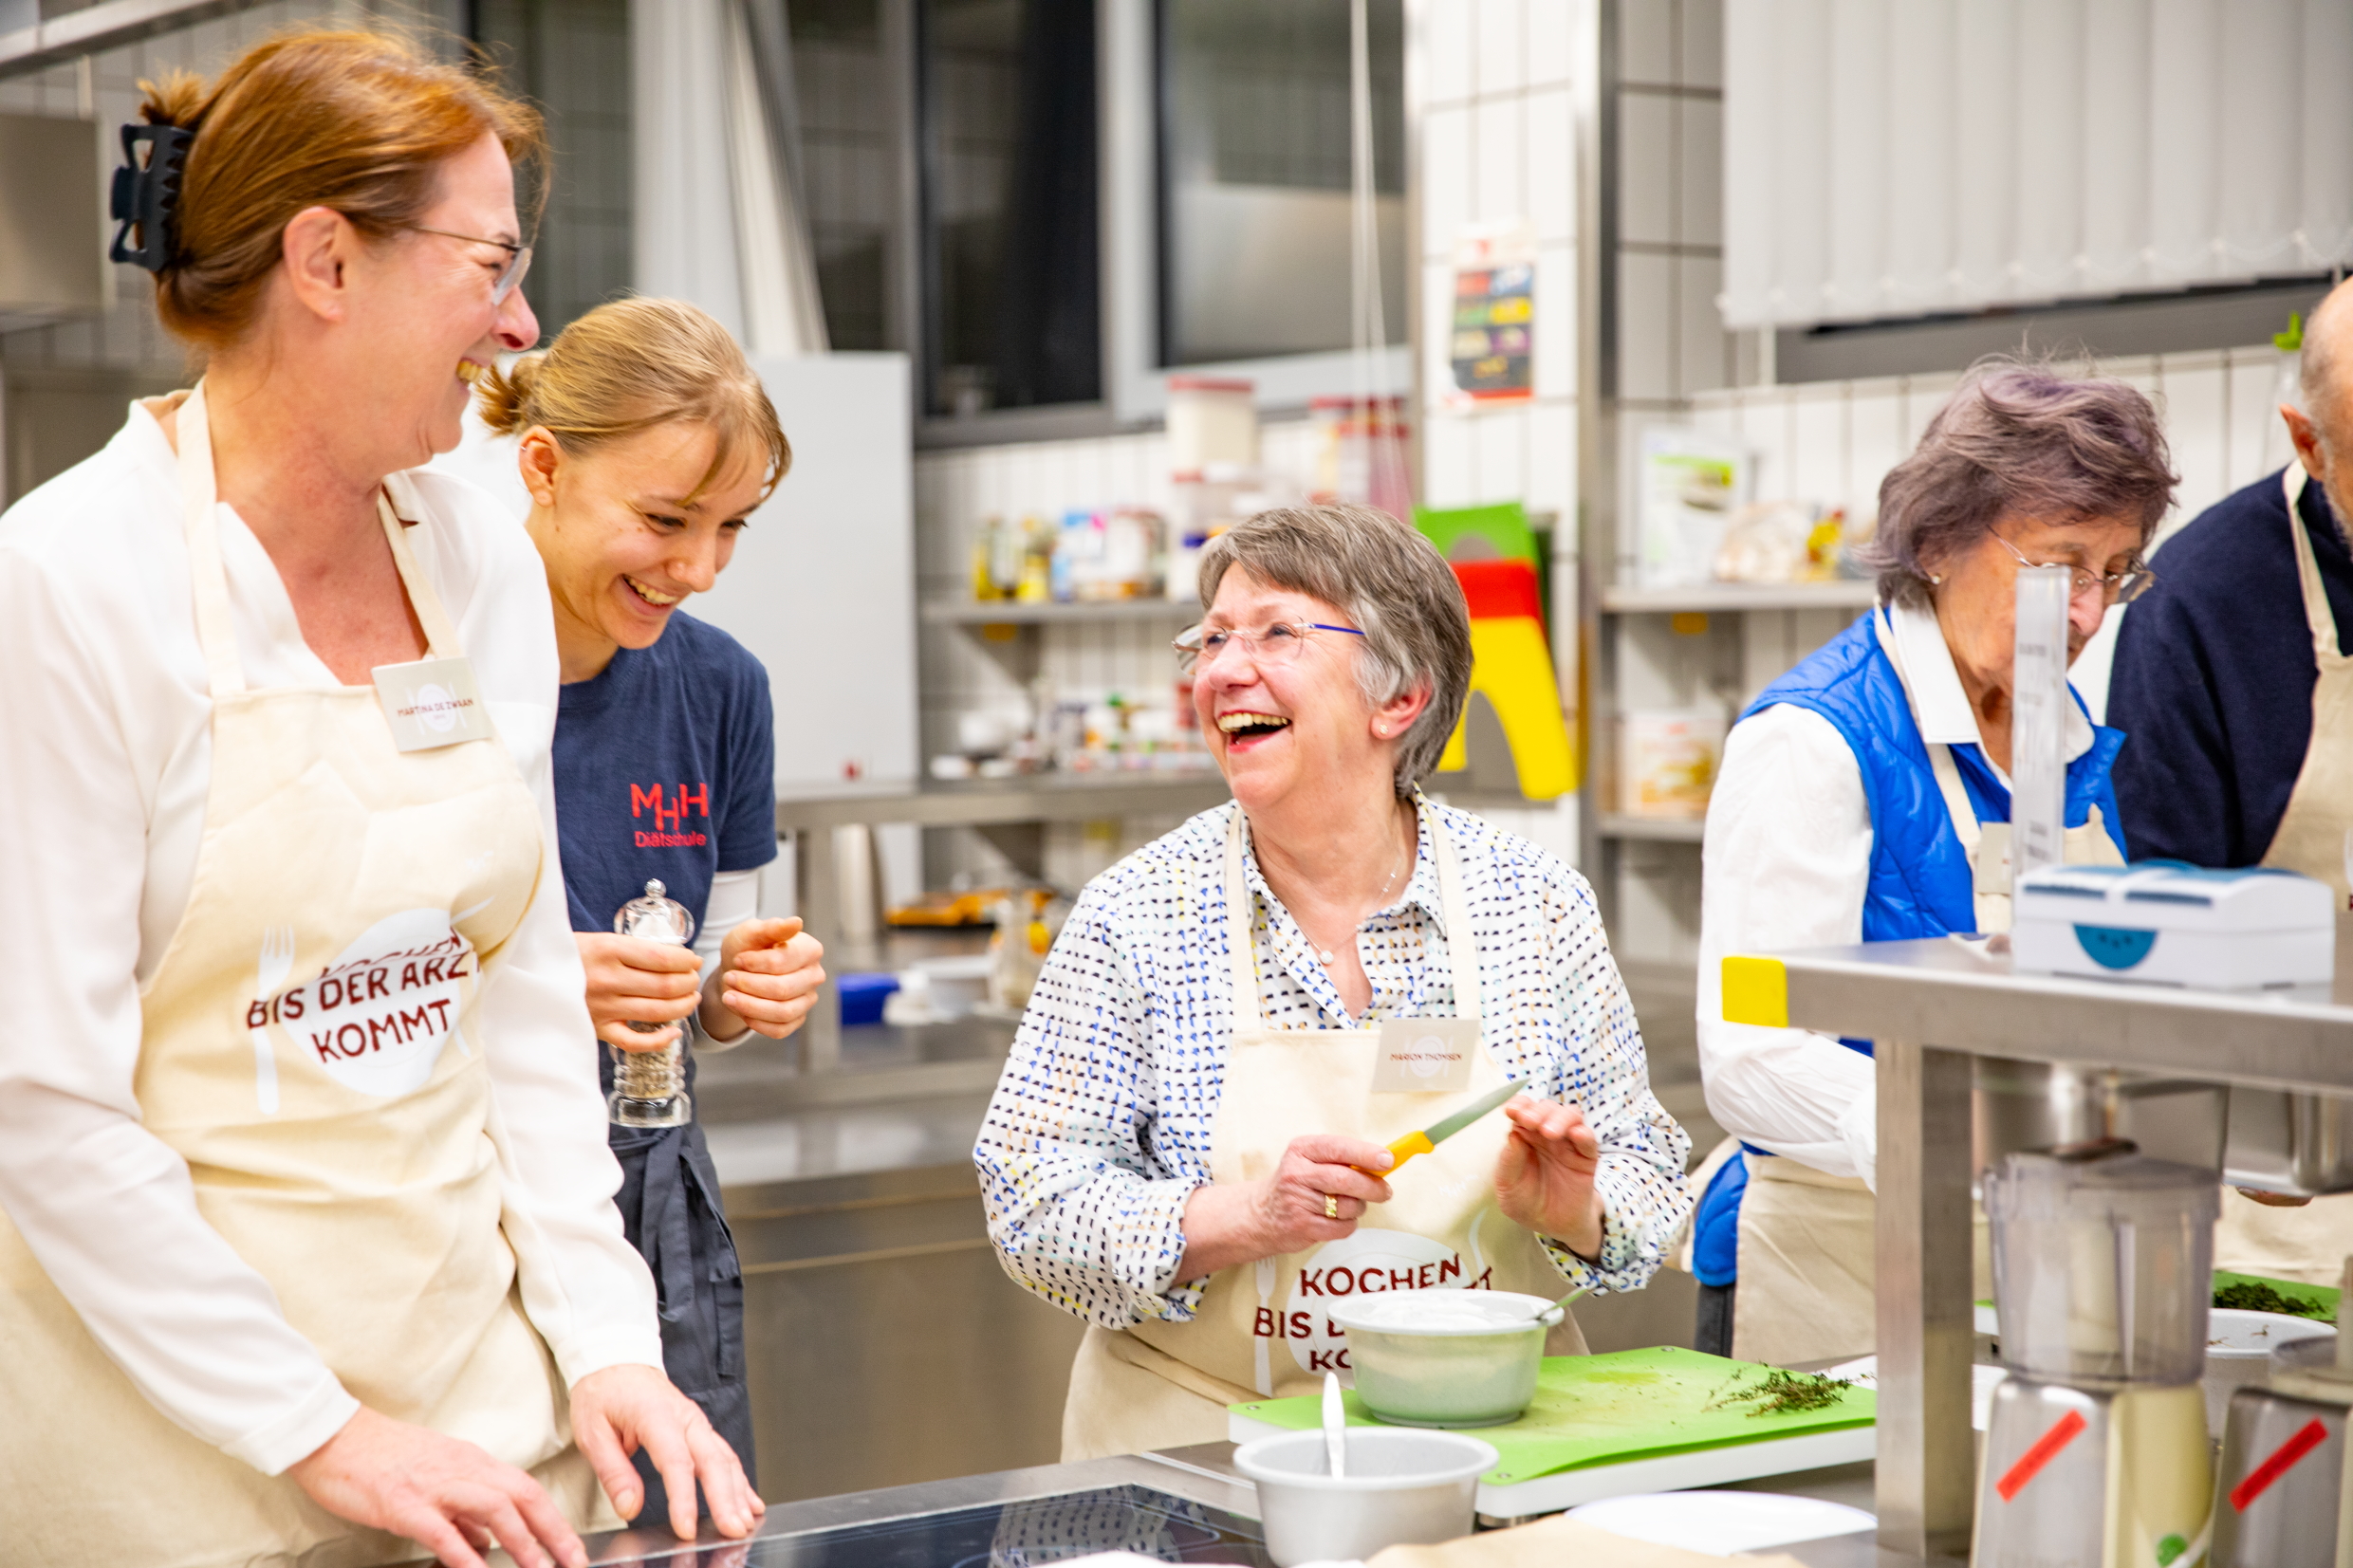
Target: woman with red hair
{"x": 310, "y": 1234}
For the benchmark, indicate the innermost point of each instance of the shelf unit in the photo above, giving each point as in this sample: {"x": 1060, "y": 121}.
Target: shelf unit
{"x": 1700, "y": 645}
{"x": 1663, "y": 830}
{"x": 969, "y": 612}
{"x": 1011, "y": 812}
{"x": 1730, "y": 598}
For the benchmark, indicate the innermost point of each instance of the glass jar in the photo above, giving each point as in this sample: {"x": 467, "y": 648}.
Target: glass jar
{"x": 649, "y": 1087}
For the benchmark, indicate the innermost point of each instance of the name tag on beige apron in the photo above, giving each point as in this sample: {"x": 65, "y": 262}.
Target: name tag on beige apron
{"x": 430, "y": 702}
{"x": 1423, "y": 1055}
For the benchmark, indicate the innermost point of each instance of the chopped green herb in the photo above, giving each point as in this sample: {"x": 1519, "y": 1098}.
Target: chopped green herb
{"x": 1784, "y": 1392}
{"x": 2247, "y": 1296}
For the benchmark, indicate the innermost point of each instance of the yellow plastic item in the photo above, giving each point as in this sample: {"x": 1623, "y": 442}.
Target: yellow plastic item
{"x": 1756, "y": 991}
{"x": 1405, "y": 1148}
{"x": 1510, "y": 663}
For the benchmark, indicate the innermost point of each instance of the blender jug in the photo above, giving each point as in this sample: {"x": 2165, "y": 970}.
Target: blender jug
{"x": 2102, "y": 1267}
{"x": 649, "y": 1087}
{"x": 2096, "y": 1450}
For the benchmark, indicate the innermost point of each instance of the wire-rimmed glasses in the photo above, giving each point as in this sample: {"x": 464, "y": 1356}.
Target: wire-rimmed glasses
{"x": 1280, "y": 643}
{"x": 2115, "y": 588}
{"x": 510, "y": 277}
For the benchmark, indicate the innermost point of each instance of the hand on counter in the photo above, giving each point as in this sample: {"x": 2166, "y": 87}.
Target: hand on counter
{"x": 445, "y": 1494}
{"x": 620, "y": 1409}
{"x": 767, "y": 979}
{"x": 1544, "y": 1179}
{"x": 1240, "y": 1223}
{"x": 631, "y": 980}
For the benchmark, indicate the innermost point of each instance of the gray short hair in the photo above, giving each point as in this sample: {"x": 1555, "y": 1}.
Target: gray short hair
{"x": 1391, "y": 582}
{"x": 2018, "y": 438}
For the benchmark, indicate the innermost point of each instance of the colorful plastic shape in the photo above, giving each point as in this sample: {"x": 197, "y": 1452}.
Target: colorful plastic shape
{"x": 1499, "y": 532}
{"x": 1511, "y": 663}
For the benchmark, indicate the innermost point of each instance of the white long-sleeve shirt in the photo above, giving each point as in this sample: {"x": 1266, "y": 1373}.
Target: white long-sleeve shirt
{"x": 107, "y": 727}
{"x": 1786, "y": 861}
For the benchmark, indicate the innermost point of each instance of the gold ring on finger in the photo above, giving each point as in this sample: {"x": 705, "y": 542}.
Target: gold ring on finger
{"x": 1331, "y": 1206}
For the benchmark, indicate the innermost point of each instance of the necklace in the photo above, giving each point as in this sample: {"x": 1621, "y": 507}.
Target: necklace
{"x": 1380, "y": 900}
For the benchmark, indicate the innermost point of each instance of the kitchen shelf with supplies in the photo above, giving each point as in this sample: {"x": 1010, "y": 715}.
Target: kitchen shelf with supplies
{"x": 1728, "y": 598}
{"x": 1012, "y": 612}
{"x": 1002, "y": 807}
{"x": 1663, "y": 830}
{"x": 1931, "y": 1006}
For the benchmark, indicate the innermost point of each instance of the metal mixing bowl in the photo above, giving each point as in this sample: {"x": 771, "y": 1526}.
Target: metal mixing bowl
{"x": 1445, "y": 1357}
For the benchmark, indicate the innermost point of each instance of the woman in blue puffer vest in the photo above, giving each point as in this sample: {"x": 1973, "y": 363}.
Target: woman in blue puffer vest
{"x": 1865, "y": 797}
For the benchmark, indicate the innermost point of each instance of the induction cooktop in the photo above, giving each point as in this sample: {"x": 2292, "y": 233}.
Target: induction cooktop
{"x": 1026, "y": 1534}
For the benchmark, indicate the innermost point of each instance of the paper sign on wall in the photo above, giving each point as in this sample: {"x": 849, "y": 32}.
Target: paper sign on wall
{"x": 1494, "y": 339}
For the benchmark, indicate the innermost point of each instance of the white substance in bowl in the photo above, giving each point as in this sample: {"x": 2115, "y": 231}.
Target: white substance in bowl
{"x": 1445, "y": 1358}
{"x": 1445, "y": 1312}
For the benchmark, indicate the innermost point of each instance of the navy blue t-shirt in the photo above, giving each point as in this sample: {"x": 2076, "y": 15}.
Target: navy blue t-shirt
{"x": 2214, "y": 678}
{"x": 665, "y": 768}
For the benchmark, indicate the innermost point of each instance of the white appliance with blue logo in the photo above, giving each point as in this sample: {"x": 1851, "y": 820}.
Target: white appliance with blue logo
{"x": 2171, "y": 924}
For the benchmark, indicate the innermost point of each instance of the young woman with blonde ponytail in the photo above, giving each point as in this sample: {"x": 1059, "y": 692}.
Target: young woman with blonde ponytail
{"x": 645, "y": 440}
{"x": 309, "y": 1238}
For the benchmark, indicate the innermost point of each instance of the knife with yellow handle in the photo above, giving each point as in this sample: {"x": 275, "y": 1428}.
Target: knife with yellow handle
{"x": 1446, "y": 1127}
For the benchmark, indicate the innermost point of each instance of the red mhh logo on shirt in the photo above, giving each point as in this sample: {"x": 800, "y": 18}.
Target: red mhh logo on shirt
{"x": 670, "y": 815}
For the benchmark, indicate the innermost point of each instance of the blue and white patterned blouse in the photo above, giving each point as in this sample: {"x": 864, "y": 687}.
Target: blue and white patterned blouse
{"x": 1100, "y": 1129}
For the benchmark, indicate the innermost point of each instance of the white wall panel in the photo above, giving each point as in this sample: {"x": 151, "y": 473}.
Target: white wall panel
{"x": 1947, "y": 154}
{"x": 1502, "y": 65}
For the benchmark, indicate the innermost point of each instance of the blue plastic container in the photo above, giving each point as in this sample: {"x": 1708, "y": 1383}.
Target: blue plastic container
{"x": 862, "y": 997}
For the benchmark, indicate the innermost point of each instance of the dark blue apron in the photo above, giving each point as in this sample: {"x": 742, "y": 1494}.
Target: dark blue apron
{"x": 669, "y": 1201}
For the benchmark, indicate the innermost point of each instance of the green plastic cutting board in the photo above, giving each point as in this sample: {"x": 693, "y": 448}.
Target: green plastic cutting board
{"x": 1602, "y": 1409}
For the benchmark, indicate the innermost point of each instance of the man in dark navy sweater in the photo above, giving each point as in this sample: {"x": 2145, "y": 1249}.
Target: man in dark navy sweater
{"x": 2239, "y": 747}
{"x": 2214, "y": 678}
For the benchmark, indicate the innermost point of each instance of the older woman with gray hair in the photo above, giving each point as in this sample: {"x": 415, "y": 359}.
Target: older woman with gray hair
{"x": 1191, "y": 1144}
{"x": 1865, "y": 797}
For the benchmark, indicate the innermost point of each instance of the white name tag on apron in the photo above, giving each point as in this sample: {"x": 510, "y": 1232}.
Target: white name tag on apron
{"x": 431, "y": 702}
{"x": 1425, "y": 1055}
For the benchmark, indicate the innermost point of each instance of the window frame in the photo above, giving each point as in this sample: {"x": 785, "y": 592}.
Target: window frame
{"x": 1134, "y": 382}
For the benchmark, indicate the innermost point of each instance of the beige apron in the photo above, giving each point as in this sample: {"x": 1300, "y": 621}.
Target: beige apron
{"x": 310, "y": 1049}
{"x": 2309, "y": 1242}
{"x": 1259, "y": 1331}
{"x": 1808, "y": 1240}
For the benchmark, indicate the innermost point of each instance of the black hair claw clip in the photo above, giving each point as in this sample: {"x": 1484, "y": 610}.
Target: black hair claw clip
{"x": 146, "y": 195}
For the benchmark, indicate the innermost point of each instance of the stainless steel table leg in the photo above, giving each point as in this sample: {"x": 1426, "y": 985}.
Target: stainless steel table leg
{"x": 1927, "y": 1461}
{"x": 818, "y": 896}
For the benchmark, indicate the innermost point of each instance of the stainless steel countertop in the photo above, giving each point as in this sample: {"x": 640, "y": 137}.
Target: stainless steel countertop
{"x": 1938, "y": 993}
{"x": 1202, "y": 1473}
{"x": 901, "y": 1099}
{"x": 1178, "y": 1474}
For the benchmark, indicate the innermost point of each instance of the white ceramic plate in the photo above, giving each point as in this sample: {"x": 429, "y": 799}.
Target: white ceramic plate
{"x": 1863, "y": 1372}
{"x": 2233, "y": 1333}
{"x": 1721, "y": 1523}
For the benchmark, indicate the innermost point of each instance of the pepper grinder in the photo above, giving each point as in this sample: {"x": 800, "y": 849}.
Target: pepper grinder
{"x": 649, "y": 1087}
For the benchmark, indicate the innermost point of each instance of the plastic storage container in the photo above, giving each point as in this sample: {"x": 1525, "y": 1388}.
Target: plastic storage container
{"x": 2102, "y": 1267}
